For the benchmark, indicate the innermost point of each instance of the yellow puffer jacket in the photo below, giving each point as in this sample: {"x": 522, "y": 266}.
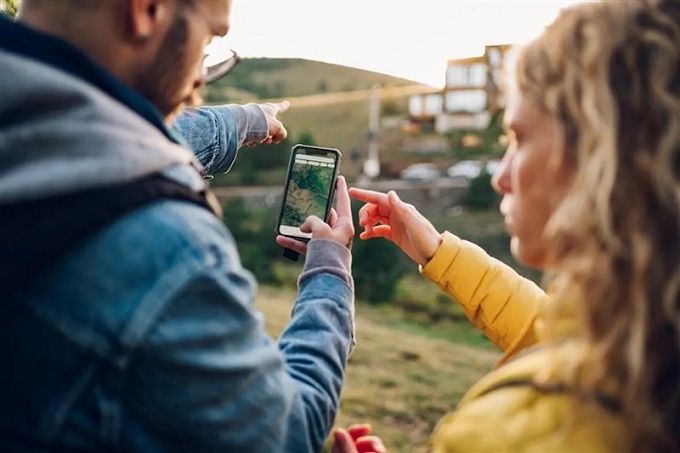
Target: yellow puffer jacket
{"x": 512, "y": 408}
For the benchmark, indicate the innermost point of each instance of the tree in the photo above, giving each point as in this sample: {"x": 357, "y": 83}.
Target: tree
{"x": 390, "y": 107}
{"x": 306, "y": 138}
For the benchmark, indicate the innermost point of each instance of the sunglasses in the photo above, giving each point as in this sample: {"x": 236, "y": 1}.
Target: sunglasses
{"x": 218, "y": 60}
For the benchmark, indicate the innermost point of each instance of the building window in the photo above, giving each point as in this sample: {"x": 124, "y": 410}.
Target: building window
{"x": 495, "y": 57}
{"x": 425, "y": 105}
{"x": 433, "y": 104}
{"x": 466, "y": 75}
{"x": 415, "y": 106}
{"x": 473, "y": 101}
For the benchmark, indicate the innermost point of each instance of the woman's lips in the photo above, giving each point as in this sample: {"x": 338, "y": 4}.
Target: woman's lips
{"x": 507, "y": 223}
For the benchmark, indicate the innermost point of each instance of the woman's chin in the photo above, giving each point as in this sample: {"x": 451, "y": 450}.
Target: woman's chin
{"x": 527, "y": 254}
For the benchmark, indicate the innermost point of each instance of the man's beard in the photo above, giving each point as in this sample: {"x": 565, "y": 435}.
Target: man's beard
{"x": 159, "y": 84}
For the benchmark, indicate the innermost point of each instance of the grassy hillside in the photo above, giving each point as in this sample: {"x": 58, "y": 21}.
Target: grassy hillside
{"x": 329, "y": 103}
{"x": 265, "y": 78}
{"x": 342, "y": 125}
{"x": 400, "y": 380}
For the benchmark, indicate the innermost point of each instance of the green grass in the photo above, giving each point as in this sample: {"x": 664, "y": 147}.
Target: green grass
{"x": 420, "y": 307}
{"x": 342, "y": 126}
{"x": 402, "y": 378}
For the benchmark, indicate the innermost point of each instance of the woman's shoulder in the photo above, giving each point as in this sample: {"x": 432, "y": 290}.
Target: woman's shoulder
{"x": 511, "y": 410}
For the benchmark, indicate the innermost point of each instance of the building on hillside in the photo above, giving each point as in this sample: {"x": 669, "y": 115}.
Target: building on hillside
{"x": 474, "y": 92}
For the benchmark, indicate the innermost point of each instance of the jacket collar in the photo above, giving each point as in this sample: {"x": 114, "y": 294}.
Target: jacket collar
{"x": 58, "y": 53}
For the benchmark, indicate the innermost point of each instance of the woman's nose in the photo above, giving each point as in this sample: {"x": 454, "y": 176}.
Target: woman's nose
{"x": 501, "y": 181}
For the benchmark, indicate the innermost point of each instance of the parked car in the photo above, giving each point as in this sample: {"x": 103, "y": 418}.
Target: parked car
{"x": 493, "y": 165}
{"x": 470, "y": 169}
{"x": 424, "y": 170}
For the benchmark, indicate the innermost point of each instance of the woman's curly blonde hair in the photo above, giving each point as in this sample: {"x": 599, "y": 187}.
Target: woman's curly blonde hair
{"x": 609, "y": 72}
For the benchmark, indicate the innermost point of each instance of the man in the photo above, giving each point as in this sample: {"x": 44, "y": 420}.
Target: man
{"x": 143, "y": 336}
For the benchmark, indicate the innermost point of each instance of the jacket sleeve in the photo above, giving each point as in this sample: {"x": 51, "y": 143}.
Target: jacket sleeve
{"x": 215, "y": 134}
{"x": 495, "y": 298}
{"x": 209, "y": 378}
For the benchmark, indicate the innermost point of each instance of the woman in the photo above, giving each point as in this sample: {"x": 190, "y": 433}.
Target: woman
{"x": 591, "y": 194}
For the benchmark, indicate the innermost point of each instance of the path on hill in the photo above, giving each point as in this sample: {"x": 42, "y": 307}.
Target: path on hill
{"x": 315, "y": 100}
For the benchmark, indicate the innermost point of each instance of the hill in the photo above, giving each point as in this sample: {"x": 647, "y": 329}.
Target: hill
{"x": 401, "y": 387}
{"x": 329, "y": 103}
{"x": 266, "y": 78}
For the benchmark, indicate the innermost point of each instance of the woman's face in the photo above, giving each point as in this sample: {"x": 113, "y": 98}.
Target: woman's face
{"x": 531, "y": 179}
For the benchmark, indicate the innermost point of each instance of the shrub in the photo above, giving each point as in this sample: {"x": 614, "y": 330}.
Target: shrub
{"x": 378, "y": 266}
{"x": 253, "y": 230}
{"x": 480, "y": 194}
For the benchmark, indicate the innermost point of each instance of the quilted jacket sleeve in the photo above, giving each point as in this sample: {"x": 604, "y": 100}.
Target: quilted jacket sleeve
{"x": 500, "y": 302}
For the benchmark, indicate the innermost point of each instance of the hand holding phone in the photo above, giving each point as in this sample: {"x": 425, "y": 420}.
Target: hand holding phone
{"x": 306, "y": 206}
{"x": 310, "y": 184}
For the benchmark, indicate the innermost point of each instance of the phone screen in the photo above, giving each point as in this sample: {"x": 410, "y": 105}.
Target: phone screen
{"x": 309, "y": 188}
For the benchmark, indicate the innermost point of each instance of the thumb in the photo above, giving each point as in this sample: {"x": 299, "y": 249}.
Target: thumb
{"x": 311, "y": 223}
{"x": 396, "y": 205}
{"x": 343, "y": 442}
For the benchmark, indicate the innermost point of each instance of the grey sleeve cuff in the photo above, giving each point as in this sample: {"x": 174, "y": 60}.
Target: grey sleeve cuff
{"x": 251, "y": 122}
{"x": 327, "y": 256}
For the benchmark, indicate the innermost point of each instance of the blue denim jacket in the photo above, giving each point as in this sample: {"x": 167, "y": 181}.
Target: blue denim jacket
{"x": 145, "y": 337}
{"x": 215, "y": 134}
{"x": 162, "y": 350}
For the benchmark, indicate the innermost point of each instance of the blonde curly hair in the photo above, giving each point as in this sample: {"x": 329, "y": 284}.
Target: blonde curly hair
{"x": 609, "y": 72}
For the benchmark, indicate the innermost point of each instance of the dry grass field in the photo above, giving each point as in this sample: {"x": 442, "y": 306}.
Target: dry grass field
{"x": 399, "y": 380}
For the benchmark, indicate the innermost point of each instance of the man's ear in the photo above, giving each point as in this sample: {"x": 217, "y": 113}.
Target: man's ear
{"x": 147, "y": 16}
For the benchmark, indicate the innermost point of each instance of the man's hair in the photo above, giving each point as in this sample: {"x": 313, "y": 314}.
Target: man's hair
{"x": 609, "y": 73}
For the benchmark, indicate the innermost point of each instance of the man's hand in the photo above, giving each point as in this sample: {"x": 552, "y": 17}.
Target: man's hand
{"x": 276, "y": 131}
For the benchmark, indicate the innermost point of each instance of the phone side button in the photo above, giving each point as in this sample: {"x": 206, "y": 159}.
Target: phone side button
{"x": 290, "y": 254}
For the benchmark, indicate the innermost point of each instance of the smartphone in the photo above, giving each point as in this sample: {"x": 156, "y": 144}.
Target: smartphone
{"x": 309, "y": 189}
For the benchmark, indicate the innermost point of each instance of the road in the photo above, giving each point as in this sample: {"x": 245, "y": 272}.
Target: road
{"x": 400, "y": 185}
{"x": 349, "y": 96}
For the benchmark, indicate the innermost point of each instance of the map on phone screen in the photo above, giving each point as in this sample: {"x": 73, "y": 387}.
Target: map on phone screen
{"x": 308, "y": 191}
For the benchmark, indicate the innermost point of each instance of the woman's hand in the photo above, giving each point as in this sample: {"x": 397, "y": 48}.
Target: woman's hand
{"x": 356, "y": 439}
{"x": 386, "y": 216}
{"x": 339, "y": 227}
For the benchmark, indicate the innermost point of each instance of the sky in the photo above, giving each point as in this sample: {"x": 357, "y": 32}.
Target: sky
{"x": 409, "y": 39}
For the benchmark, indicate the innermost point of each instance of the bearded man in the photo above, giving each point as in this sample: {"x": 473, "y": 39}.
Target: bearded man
{"x": 128, "y": 320}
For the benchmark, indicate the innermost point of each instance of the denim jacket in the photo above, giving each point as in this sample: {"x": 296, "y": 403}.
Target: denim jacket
{"x": 215, "y": 134}
{"x": 145, "y": 337}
